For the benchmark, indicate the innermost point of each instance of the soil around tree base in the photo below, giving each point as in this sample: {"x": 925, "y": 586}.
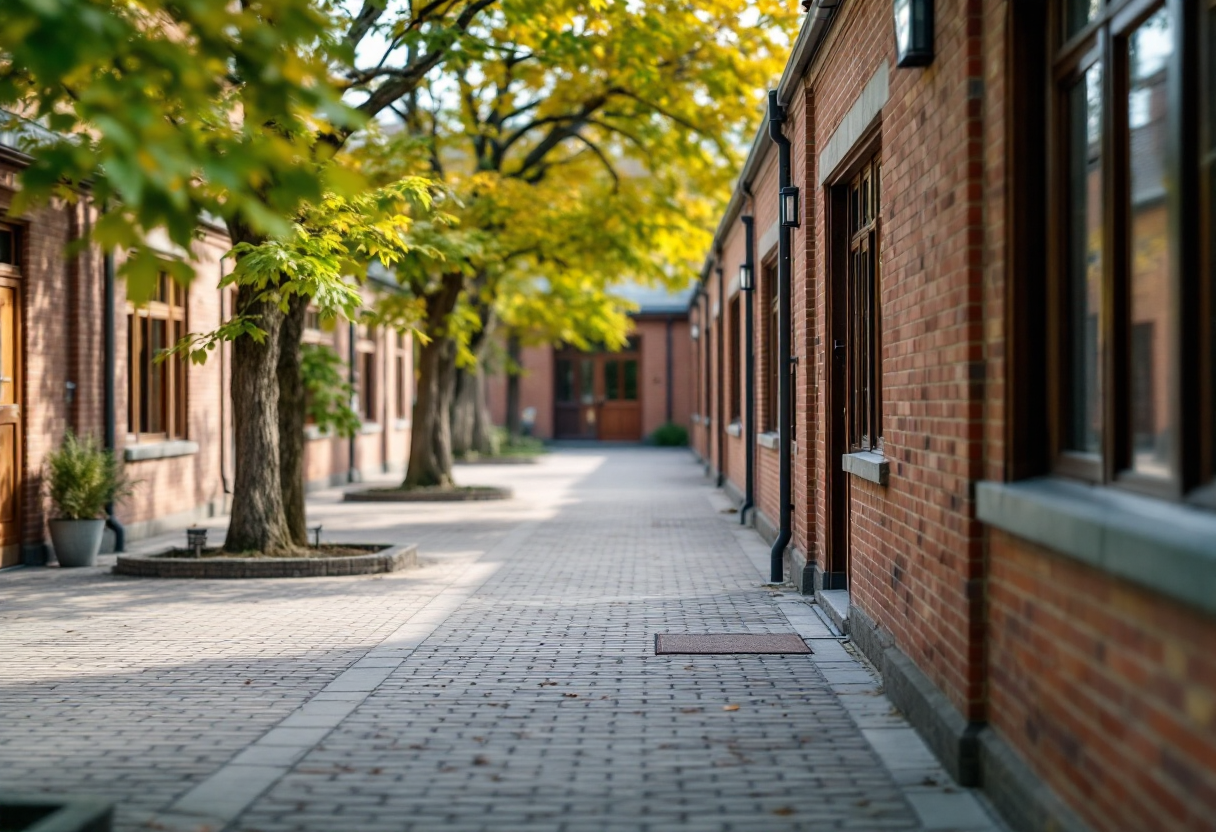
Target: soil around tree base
{"x": 470, "y": 493}
{"x": 347, "y": 559}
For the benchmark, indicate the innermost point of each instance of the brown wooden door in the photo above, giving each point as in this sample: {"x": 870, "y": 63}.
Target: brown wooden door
{"x": 621, "y": 413}
{"x": 575, "y": 397}
{"x": 10, "y": 423}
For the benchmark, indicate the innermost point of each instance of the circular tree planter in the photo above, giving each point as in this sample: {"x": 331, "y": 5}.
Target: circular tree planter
{"x": 472, "y": 493}
{"x": 175, "y": 564}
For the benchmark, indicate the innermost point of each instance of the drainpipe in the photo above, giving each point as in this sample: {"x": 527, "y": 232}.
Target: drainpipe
{"x": 749, "y": 404}
{"x": 352, "y": 355}
{"x": 705, "y": 376}
{"x": 110, "y": 416}
{"x": 227, "y": 489}
{"x": 721, "y": 425}
{"x": 776, "y": 118}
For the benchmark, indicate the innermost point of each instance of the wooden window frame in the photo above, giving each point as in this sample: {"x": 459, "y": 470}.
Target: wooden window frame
{"x": 864, "y": 318}
{"x": 365, "y": 377}
{"x": 176, "y": 395}
{"x": 1190, "y": 355}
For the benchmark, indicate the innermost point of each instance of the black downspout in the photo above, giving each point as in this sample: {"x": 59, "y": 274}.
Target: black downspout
{"x": 352, "y": 355}
{"x": 669, "y": 368}
{"x": 110, "y": 415}
{"x": 776, "y": 118}
{"x": 705, "y": 374}
{"x": 721, "y": 423}
{"x": 749, "y": 404}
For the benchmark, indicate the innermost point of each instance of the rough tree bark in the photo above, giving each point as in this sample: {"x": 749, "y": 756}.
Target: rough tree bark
{"x": 431, "y": 435}
{"x": 472, "y": 427}
{"x": 291, "y": 419}
{"x": 514, "y": 417}
{"x": 258, "y": 521}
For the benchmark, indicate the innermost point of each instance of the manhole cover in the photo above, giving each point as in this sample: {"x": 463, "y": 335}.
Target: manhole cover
{"x": 726, "y": 643}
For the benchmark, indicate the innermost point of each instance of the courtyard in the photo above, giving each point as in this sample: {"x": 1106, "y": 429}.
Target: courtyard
{"x": 510, "y": 682}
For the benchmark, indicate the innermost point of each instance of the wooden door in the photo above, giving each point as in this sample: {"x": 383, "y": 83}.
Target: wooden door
{"x": 10, "y": 422}
{"x": 621, "y": 412}
{"x": 575, "y": 397}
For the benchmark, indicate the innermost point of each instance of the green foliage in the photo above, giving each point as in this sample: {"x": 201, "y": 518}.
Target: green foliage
{"x": 328, "y": 391}
{"x": 670, "y": 435}
{"x": 172, "y": 110}
{"x": 82, "y": 477}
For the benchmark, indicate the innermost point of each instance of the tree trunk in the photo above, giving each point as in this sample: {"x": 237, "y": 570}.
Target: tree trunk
{"x": 514, "y": 416}
{"x": 291, "y": 419}
{"x": 431, "y": 435}
{"x": 258, "y": 521}
{"x": 472, "y": 427}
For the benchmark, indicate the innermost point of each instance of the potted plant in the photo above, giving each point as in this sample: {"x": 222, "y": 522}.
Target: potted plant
{"x": 82, "y": 478}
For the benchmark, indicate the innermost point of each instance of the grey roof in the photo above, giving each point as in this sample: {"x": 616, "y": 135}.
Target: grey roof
{"x": 656, "y": 300}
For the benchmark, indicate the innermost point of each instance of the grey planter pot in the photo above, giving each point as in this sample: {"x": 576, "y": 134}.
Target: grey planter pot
{"x": 77, "y": 542}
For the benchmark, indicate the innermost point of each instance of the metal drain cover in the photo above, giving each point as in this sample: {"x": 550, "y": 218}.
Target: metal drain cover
{"x": 719, "y": 644}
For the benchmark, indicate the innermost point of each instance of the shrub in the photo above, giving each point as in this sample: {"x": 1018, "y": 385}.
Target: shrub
{"x": 670, "y": 435}
{"x": 82, "y": 477}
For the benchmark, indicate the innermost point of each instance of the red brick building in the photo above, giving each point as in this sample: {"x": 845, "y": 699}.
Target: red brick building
{"x": 621, "y": 396}
{"x": 992, "y": 296}
{"x": 172, "y": 422}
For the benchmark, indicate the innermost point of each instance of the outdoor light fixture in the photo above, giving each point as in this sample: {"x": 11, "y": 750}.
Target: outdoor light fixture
{"x": 789, "y": 207}
{"x": 696, "y": 332}
{"x": 745, "y": 278}
{"x": 913, "y": 32}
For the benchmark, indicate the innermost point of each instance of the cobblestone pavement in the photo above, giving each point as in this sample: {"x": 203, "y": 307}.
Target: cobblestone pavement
{"x": 510, "y": 683}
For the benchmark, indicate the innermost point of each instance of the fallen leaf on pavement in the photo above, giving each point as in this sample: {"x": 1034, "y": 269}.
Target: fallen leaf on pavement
{"x": 730, "y": 707}
{"x": 784, "y": 811}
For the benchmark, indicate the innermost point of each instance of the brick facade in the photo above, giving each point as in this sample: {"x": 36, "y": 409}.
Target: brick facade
{"x": 63, "y": 375}
{"x": 1098, "y": 686}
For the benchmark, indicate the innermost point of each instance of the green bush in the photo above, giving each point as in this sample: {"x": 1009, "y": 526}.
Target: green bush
{"x": 82, "y": 477}
{"x": 670, "y": 435}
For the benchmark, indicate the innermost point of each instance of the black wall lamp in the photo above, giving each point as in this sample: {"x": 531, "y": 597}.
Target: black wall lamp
{"x": 746, "y": 278}
{"x": 789, "y": 207}
{"x": 913, "y": 32}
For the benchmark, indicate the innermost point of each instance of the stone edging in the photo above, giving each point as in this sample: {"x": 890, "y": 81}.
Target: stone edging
{"x": 389, "y": 559}
{"x": 499, "y": 460}
{"x": 455, "y": 496}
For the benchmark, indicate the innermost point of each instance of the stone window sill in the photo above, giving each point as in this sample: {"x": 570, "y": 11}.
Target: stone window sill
{"x": 159, "y": 450}
{"x": 312, "y": 433}
{"x": 1165, "y": 547}
{"x": 867, "y": 465}
{"x": 401, "y": 424}
{"x": 770, "y": 440}
{"x": 735, "y": 429}
{"x": 371, "y": 427}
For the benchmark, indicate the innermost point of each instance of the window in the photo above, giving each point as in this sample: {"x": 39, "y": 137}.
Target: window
{"x": 8, "y": 246}
{"x": 1131, "y": 390}
{"x": 864, "y": 401}
{"x": 365, "y": 372}
{"x": 736, "y": 359}
{"x": 156, "y": 390}
{"x": 770, "y": 352}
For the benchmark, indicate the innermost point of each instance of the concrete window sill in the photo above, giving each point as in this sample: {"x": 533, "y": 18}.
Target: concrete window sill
{"x": 1162, "y": 546}
{"x": 312, "y": 433}
{"x": 401, "y": 424}
{"x": 371, "y": 427}
{"x": 735, "y": 429}
{"x": 159, "y": 450}
{"x": 770, "y": 440}
{"x": 867, "y": 465}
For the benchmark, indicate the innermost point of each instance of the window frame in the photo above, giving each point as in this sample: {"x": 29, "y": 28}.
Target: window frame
{"x": 176, "y": 396}
{"x": 864, "y": 238}
{"x": 366, "y": 387}
{"x": 1189, "y": 352}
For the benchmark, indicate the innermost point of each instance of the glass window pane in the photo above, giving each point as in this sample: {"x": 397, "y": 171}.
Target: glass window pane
{"x": 157, "y": 389}
{"x": 7, "y": 249}
{"x": 631, "y": 381}
{"x": 612, "y": 388}
{"x": 1150, "y": 48}
{"x": 565, "y": 380}
{"x": 587, "y": 381}
{"x": 1078, "y": 14}
{"x": 1083, "y": 428}
{"x": 178, "y": 367}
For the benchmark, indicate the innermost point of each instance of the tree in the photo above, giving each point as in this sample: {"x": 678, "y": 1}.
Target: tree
{"x": 591, "y": 142}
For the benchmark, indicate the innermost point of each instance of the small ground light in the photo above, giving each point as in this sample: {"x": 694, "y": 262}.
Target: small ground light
{"x": 315, "y": 531}
{"x": 196, "y": 539}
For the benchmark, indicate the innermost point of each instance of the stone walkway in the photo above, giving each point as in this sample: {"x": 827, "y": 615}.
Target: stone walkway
{"x": 510, "y": 683}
